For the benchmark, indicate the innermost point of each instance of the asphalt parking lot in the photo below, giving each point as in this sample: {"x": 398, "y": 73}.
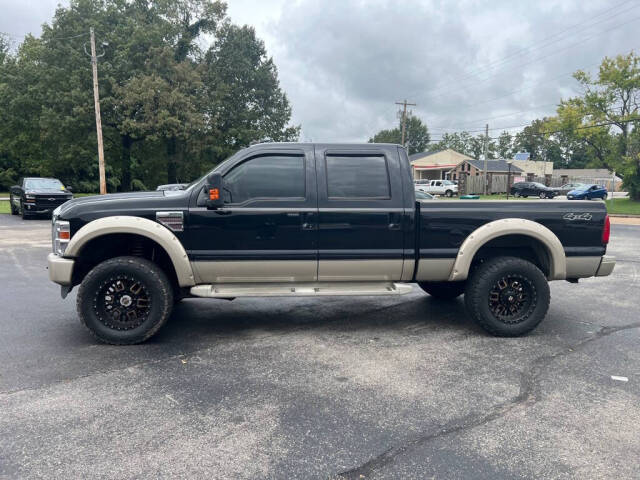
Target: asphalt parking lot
{"x": 371, "y": 387}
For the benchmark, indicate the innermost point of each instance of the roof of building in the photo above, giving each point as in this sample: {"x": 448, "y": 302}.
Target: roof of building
{"x": 498, "y": 165}
{"x": 416, "y": 156}
{"x": 584, "y": 173}
{"x": 522, "y": 156}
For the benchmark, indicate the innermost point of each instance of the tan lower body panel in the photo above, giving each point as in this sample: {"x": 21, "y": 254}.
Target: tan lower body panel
{"x": 434, "y": 269}
{"x": 315, "y": 289}
{"x": 256, "y": 271}
{"x": 359, "y": 270}
{"x": 582, "y": 267}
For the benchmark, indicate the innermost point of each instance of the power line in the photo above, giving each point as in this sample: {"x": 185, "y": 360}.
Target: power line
{"x": 461, "y": 79}
{"x": 548, "y": 42}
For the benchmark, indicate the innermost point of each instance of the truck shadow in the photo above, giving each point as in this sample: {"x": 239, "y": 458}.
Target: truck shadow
{"x": 201, "y": 318}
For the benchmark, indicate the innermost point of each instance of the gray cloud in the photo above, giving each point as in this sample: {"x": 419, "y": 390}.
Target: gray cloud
{"x": 343, "y": 63}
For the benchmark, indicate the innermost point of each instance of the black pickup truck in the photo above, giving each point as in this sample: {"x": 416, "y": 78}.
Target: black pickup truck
{"x": 311, "y": 220}
{"x": 35, "y": 195}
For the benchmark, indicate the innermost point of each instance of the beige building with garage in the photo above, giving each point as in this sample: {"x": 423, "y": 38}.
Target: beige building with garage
{"x": 435, "y": 165}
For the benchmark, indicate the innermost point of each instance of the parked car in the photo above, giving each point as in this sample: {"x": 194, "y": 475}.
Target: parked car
{"x": 438, "y": 187}
{"x": 588, "y": 192}
{"x": 532, "y": 189}
{"x": 567, "y": 187}
{"x": 301, "y": 219}
{"x": 424, "y": 196}
{"x": 172, "y": 186}
{"x": 37, "y": 195}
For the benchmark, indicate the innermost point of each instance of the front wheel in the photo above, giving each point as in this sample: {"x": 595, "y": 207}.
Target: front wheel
{"x": 507, "y": 296}
{"x": 14, "y": 210}
{"x": 517, "y": 194}
{"x": 125, "y": 300}
{"x": 443, "y": 290}
{"x": 542, "y": 195}
{"x": 448, "y": 193}
{"x": 23, "y": 213}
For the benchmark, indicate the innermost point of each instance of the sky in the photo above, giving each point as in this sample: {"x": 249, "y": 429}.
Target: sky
{"x": 344, "y": 63}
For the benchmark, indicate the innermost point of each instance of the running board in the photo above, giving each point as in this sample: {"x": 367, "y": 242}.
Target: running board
{"x": 226, "y": 290}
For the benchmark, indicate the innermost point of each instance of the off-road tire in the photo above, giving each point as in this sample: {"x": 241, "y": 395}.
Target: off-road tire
{"x": 485, "y": 279}
{"x": 132, "y": 269}
{"x": 443, "y": 290}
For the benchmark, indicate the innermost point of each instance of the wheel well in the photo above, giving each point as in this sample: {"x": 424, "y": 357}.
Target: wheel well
{"x": 520, "y": 246}
{"x": 113, "y": 245}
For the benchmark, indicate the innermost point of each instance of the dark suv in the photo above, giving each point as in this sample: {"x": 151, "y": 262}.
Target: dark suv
{"x": 533, "y": 189}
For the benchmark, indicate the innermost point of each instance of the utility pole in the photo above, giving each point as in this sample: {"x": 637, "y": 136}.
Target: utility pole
{"x": 96, "y": 101}
{"x": 404, "y": 116}
{"x": 486, "y": 163}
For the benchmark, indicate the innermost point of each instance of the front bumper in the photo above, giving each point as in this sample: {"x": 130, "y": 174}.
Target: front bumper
{"x": 60, "y": 269}
{"x": 606, "y": 266}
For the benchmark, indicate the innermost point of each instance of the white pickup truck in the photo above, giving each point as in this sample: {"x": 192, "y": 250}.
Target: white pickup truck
{"x": 437, "y": 187}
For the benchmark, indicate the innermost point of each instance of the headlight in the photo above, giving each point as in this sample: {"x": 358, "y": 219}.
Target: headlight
{"x": 29, "y": 197}
{"x": 60, "y": 236}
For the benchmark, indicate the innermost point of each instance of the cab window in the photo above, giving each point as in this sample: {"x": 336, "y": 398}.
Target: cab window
{"x": 357, "y": 176}
{"x": 266, "y": 177}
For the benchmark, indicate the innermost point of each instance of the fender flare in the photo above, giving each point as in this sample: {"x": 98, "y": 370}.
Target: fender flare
{"x": 510, "y": 226}
{"x": 136, "y": 226}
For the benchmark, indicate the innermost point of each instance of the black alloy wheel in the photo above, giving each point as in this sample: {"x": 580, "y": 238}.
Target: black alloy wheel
{"x": 125, "y": 300}
{"x": 122, "y": 302}
{"x": 507, "y": 296}
{"x": 512, "y": 298}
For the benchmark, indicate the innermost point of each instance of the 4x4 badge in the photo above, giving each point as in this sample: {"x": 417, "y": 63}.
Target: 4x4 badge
{"x": 577, "y": 216}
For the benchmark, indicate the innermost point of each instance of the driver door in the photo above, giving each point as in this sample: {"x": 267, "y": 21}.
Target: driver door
{"x": 267, "y": 229}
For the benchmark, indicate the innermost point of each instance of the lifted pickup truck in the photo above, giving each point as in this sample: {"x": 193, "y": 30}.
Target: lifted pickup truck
{"x": 310, "y": 220}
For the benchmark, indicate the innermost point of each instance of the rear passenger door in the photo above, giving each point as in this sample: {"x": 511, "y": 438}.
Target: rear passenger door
{"x": 360, "y": 214}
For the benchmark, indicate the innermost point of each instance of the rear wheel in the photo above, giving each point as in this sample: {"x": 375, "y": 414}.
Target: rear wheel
{"x": 125, "y": 300}
{"x": 443, "y": 290}
{"x": 507, "y": 296}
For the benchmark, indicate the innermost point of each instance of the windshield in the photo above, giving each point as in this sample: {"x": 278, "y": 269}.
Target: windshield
{"x": 43, "y": 184}
{"x": 539, "y": 185}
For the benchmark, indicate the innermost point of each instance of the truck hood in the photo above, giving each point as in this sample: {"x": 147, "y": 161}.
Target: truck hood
{"x": 47, "y": 191}
{"x": 133, "y": 203}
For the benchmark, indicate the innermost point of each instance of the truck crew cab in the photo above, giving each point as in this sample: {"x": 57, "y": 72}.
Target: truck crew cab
{"x": 310, "y": 220}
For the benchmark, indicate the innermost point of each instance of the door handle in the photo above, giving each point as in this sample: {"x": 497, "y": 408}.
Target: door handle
{"x": 395, "y": 221}
{"x": 308, "y": 221}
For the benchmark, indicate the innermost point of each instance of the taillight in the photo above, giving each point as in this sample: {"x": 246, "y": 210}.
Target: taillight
{"x": 606, "y": 231}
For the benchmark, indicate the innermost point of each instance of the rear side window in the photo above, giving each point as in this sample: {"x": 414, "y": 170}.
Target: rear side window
{"x": 357, "y": 176}
{"x": 266, "y": 177}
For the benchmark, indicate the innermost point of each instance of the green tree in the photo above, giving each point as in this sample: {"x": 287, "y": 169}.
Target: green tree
{"x": 504, "y": 148}
{"x": 244, "y": 101}
{"x": 169, "y": 109}
{"x": 416, "y": 135}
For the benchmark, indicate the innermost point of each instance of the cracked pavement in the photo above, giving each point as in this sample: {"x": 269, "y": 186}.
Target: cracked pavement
{"x": 372, "y": 387}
